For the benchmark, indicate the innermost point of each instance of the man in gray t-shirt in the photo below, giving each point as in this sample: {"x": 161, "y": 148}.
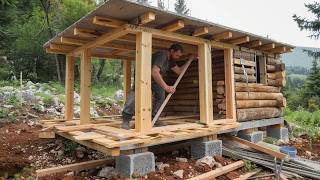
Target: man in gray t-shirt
{"x": 162, "y": 62}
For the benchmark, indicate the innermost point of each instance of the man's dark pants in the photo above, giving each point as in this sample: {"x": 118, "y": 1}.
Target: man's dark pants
{"x": 158, "y": 94}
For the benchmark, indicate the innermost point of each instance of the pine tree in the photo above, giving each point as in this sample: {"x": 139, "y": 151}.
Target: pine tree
{"x": 313, "y": 80}
{"x": 181, "y": 7}
{"x": 161, "y": 4}
{"x": 311, "y": 25}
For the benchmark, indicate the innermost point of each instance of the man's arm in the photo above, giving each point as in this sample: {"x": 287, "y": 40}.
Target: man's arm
{"x": 178, "y": 70}
{"x": 155, "y": 73}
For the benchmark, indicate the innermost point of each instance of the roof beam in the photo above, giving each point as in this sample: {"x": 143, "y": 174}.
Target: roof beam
{"x": 156, "y": 33}
{"x": 253, "y": 44}
{"x": 174, "y": 26}
{"x": 281, "y": 49}
{"x": 240, "y": 40}
{"x": 222, "y": 36}
{"x": 84, "y": 33}
{"x": 200, "y": 31}
{"x": 108, "y": 22}
{"x": 144, "y": 18}
{"x": 266, "y": 47}
{"x": 105, "y": 38}
{"x": 62, "y": 47}
{"x": 72, "y": 41}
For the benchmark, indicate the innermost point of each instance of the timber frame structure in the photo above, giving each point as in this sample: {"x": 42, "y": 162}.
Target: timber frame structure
{"x": 130, "y": 32}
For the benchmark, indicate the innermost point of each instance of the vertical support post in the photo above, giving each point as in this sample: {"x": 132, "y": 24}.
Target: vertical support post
{"x": 229, "y": 84}
{"x": 126, "y": 78}
{"x": 143, "y": 82}
{"x": 69, "y": 88}
{"x": 85, "y": 86}
{"x": 263, "y": 69}
{"x": 205, "y": 83}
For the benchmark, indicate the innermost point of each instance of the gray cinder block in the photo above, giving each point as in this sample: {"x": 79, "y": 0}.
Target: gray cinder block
{"x": 278, "y": 133}
{"x": 200, "y": 149}
{"x": 252, "y": 137}
{"x": 135, "y": 164}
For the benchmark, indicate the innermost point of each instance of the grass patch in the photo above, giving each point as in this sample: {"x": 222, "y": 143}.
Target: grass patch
{"x": 14, "y": 83}
{"x": 4, "y": 112}
{"x": 305, "y": 121}
{"x": 104, "y": 90}
{"x": 47, "y": 99}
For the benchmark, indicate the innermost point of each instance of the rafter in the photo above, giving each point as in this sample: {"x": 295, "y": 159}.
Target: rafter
{"x": 253, "y": 44}
{"x": 280, "y": 50}
{"x": 108, "y": 22}
{"x": 144, "y": 18}
{"x": 266, "y": 47}
{"x": 240, "y": 40}
{"x": 72, "y": 41}
{"x": 62, "y": 47}
{"x": 222, "y": 36}
{"x": 200, "y": 31}
{"x": 84, "y": 33}
{"x": 174, "y": 26}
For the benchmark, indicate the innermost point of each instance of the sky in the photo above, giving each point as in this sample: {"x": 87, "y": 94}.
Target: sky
{"x": 272, "y": 18}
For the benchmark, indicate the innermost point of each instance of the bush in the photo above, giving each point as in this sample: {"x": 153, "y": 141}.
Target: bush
{"x": 4, "y": 112}
{"x": 47, "y": 99}
{"x": 13, "y": 100}
{"x": 305, "y": 121}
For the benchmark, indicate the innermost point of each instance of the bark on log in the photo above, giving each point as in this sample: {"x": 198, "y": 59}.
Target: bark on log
{"x": 239, "y": 70}
{"x": 244, "y": 104}
{"x": 244, "y": 55}
{"x": 244, "y": 87}
{"x": 273, "y": 61}
{"x": 278, "y": 82}
{"x": 245, "y": 62}
{"x": 258, "y": 96}
{"x": 274, "y": 68}
{"x": 242, "y": 78}
{"x": 257, "y": 113}
{"x": 276, "y": 75}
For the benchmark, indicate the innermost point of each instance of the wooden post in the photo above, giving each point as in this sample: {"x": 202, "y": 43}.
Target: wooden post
{"x": 205, "y": 83}
{"x": 69, "y": 88}
{"x": 126, "y": 78}
{"x": 143, "y": 82}
{"x": 229, "y": 84}
{"x": 263, "y": 69}
{"x": 85, "y": 86}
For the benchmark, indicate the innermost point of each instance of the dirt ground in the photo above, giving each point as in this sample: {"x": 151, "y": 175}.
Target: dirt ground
{"x": 22, "y": 152}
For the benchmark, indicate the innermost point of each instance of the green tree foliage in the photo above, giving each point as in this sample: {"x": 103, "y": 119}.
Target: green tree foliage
{"x": 311, "y": 25}
{"x": 307, "y": 96}
{"x": 181, "y": 7}
{"x": 29, "y": 24}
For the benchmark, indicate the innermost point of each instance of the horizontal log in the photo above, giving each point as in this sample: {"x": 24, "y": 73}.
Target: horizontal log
{"x": 258, "y": 96}
{"x": 276, "y": 75}
{"x": 242, "y": 78}
{"x": 275, "y": 68}
{"x": 253, "y": 87}
{"x": 245, "y": 62}
{"x": 257, "y": 113}
{"x": 220, "y": 89}
{"x": 243, "y": 104}
{"x": 239, "y": 70}
{"x": 273, "y": 61}
{"x": 244, "y": 55}
{"x": 277, "y": 82}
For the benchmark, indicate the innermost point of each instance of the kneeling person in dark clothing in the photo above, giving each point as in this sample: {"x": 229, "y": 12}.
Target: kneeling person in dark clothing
{"x": 162, "y": 62}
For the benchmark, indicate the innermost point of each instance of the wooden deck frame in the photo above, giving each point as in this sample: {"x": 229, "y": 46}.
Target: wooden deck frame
{"x": 143, "y": 96}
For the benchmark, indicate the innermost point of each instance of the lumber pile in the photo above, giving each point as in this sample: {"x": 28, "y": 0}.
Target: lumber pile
{"x": 290, "y": 169}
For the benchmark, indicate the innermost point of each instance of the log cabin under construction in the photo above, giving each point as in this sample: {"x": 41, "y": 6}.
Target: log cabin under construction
{"x": 234, "y": 86}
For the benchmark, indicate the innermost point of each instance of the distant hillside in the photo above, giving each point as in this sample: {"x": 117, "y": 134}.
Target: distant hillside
{"x": 299, "y": 58}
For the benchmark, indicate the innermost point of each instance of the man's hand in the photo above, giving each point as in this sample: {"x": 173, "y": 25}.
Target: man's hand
{"x": 170, "y": 89}
{"x": 193, "y": 57}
